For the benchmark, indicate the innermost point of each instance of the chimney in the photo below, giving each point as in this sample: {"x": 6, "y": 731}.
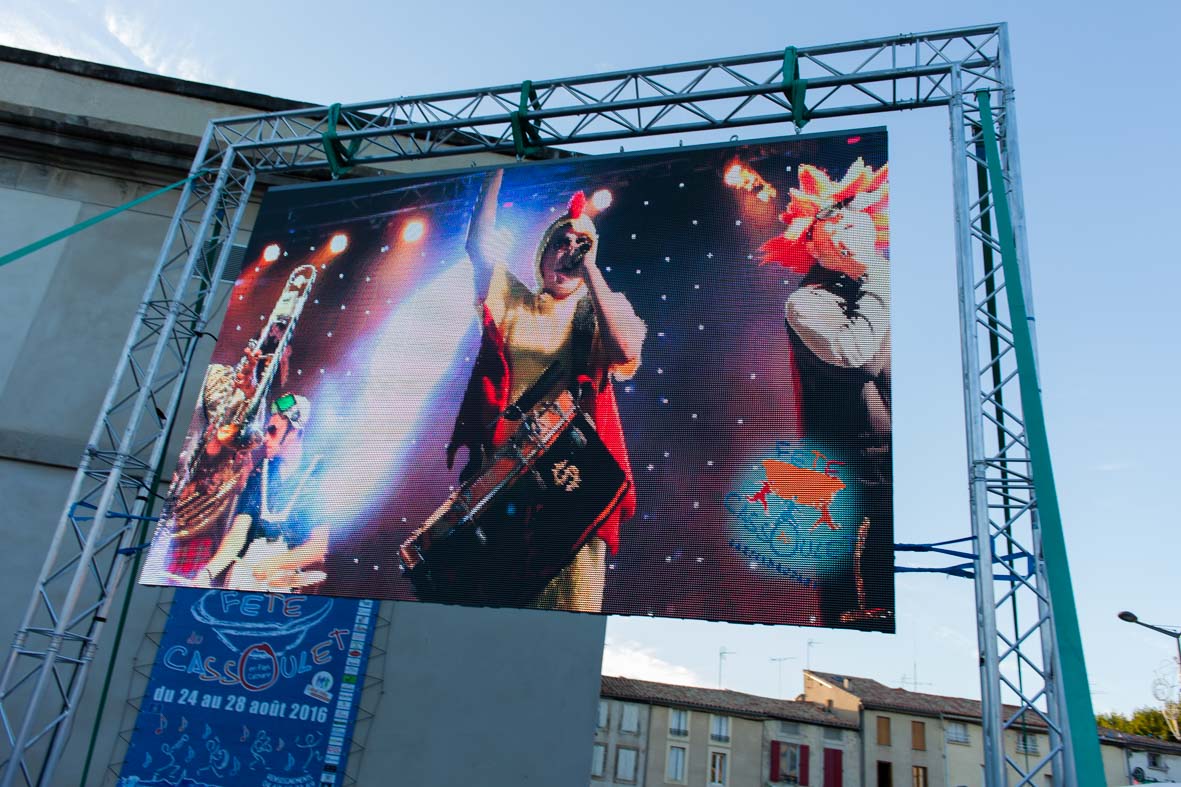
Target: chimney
{"x": 847, "y": 683}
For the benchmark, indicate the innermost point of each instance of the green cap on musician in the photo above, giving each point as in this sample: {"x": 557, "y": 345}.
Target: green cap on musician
{"x": 295, "y": 408}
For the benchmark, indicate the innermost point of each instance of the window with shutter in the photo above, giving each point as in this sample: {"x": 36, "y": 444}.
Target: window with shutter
{"x": 718, "y": 763}
{"x": 918, "y": 736}
{"x": 629, "y": 718}
{"x": 678, "y": 722}
{"x": 625, "y": 764}
{"x": 786, "y": 761}
{"x": 599, "y": 760}
{"x": 883, "y": 730}
{"x": 675, "y": 768}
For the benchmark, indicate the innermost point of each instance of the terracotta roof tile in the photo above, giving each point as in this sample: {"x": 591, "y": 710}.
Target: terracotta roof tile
{"x": 1131, "y": 741}
{"x": 719, "y": 700}
{"x": 877, "y": 696}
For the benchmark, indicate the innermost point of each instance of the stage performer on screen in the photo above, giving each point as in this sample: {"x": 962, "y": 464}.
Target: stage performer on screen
{"x": 273, "y": 541}
{"x": 524, "y": 331}
{"x": 231, "y": 415}
{"x": 838, "y": 324}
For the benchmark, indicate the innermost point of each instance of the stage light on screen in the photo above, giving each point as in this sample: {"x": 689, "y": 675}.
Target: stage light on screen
{"x": 735, "y": 175}
{"x": 720, "y": 462}
{"x": 413, "y": 230}
{"x": 741, "y": 177}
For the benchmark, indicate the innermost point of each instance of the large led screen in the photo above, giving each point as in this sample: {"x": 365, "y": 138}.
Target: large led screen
{"x": 643, "y": 384}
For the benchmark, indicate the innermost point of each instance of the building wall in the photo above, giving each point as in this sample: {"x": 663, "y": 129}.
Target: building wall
{"x": 842, "y": 703}
{"x": 1115, "y": 764}
{"x": 660, "y": 738}
{"x": 744, "y": 750}
{"x": 901, "y": 752}
{"x": 817, "y": 738}
{"x": 965, "y": 761}
{"x": 613, "y": 737}
{"x": 1161, "y": 768}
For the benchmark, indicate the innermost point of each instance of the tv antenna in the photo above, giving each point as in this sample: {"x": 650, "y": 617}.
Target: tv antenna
{"x": 722, "y": 654}
{"x": 779, "y": 665}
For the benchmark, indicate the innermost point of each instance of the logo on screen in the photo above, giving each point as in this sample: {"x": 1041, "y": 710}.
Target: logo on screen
{"x": 567, "y": 476}
{"x": 790, "y": 514}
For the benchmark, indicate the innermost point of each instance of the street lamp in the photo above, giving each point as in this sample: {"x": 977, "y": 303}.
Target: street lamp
{"x": 1171, "y": 706}
{"x": 1130, "y": 617}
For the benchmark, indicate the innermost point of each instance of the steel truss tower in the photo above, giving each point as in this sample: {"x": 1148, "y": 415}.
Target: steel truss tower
{"x": 1031, "y": 657}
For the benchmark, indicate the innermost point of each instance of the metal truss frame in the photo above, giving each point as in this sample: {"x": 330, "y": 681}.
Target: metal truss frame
{"x": 114, "y": 487}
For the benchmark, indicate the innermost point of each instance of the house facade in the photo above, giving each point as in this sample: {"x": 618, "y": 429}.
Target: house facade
{"x": 664, "y": 735}
{"x": 912, "y": 739}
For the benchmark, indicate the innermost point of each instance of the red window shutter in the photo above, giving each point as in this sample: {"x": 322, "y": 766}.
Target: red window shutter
{"x": 803, "y": 765}
{"x": 776, "y": 753}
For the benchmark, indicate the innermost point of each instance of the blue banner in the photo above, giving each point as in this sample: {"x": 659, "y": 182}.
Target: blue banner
{"x": 251, "y": 690}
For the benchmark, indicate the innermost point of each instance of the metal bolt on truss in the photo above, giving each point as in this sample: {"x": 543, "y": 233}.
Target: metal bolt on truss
{"x": 1025, "y": 610}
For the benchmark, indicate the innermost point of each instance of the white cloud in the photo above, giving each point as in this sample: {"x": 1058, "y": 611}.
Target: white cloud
{"x": 128, "y": 37}
{"x": 64, "y": 34}
{"x": 633, "y": 660}
{"x": 156, "y": 52}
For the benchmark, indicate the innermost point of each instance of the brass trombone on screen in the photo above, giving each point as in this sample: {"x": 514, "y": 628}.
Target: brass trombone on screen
{"x": 217, "y": 459}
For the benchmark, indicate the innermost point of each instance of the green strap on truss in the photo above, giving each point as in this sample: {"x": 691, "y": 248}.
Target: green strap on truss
{"x": 526, "y": 134}
{"x": 794, "y": 88}
{"x": 49, "y": 240}
{"x": 1084, "y": 738}
{"x": 340, "y": 156}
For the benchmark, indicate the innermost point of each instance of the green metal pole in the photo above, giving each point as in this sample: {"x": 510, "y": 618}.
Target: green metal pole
{"x": 1083, "y": 735}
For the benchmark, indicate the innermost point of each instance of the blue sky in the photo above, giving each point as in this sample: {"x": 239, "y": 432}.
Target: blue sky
{"x": 1095, "y": 126}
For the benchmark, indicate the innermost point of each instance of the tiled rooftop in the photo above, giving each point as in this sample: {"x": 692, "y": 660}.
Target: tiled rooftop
{"x": 719, "y": 701}
{"x": 877, "y": 696}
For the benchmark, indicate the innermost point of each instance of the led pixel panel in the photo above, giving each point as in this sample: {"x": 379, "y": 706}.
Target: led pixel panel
{"x": 643, "y": 384}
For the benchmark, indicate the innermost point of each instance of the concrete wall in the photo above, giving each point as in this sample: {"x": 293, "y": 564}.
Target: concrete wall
{"x": 65, "y": 311}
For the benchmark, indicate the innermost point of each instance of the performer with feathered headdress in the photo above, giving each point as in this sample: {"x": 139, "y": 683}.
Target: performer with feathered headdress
{"x": 572, "y": 320}
{"x": 837, "y": 238}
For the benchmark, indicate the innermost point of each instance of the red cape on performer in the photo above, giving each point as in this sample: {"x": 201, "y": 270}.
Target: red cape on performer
{"x": 487, "y": 397}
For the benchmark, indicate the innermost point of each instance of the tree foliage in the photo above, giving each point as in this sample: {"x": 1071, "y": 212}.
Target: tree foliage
{"x": 1143, "y": 721}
